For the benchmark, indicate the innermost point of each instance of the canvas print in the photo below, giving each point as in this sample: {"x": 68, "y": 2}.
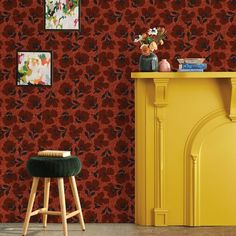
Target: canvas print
{"x": 62, "y": 14}
{"x": 34, "y": 68}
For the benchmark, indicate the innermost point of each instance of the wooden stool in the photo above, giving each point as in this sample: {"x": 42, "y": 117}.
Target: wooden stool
{"x": 48, "y": 168}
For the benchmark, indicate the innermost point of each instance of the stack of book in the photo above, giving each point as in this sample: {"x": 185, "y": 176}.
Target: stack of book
{"x": 54, "y": 153}
{"x": 192, "y": 65}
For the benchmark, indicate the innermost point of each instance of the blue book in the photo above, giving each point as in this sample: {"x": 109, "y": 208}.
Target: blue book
{"x": 202, "y": 66}
{"x": 190, "y": 70}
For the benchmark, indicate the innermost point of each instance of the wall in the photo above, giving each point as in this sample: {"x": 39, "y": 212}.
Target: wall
{"x": 90, "y": 107}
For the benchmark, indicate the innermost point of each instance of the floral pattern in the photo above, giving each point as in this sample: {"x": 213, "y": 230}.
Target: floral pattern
{"x": 90, "y": 107}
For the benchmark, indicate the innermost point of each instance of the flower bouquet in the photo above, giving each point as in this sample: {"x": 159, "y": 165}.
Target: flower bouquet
{"x": 150, "y": 40}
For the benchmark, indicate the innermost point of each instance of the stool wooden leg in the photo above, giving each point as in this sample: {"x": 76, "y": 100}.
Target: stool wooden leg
{"x": 63, "y": 204}
{"x": 30, "y": 204}
{"x": 46, "y": 199}
{"x": 77, "y": 201}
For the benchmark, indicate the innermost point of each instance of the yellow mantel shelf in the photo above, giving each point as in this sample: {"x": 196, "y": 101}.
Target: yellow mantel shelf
{"x": 161, "y": 80}
{"x": 181, "y": 75}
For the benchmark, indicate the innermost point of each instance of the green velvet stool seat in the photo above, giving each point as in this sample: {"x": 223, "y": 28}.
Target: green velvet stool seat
{"x": 53, "y": 167}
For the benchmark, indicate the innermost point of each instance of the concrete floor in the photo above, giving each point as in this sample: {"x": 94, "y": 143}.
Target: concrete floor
{"x": 116, "y": 230}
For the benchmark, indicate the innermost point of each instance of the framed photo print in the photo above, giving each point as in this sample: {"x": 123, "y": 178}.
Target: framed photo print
{"x": 34, "y": 68}
{"x": 62, "y": 14}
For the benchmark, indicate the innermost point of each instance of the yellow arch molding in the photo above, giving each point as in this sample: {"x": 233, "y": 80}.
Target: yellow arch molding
{"x": 192, "y": 153}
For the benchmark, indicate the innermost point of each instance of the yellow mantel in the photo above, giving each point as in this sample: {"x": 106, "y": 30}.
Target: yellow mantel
{"x": 181, "y": 75}
{"x": 161, "y": 78}
{"x": 184, "y": 148}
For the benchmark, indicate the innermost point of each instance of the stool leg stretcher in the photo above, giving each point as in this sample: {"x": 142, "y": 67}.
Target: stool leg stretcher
{"x": 45, "y": 212}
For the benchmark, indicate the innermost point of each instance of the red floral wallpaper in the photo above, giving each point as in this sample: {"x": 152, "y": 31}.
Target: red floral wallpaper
{"x": 90, "y": 107}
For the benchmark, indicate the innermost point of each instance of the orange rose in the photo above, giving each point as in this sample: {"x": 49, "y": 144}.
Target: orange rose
{"x": 153, "y": 46}
{"x": 145, "y": 50}
{"x": 144, "y": 36}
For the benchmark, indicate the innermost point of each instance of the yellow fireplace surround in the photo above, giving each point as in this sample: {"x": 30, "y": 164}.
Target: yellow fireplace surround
{"x": 185, "y": 148}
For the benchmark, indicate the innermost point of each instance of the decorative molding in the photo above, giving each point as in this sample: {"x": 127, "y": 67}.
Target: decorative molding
{"x": 232, "y": 114}
{"x": 160, "y": 217}
{"x": 194, "y": 158}
{"x": 161, "y": 81}
{"x": 193, "y": 146}
{"x": 195, "y": 187}
{"x": 159, "y": 161}
{"x": 160, "y": 99}
{"x": 196, "y": 129}
{"x": 160, "y": 103}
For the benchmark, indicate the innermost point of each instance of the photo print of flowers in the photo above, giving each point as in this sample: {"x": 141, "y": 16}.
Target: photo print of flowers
{"x": 34, "y": 68}
{"x": 62, "y": 15}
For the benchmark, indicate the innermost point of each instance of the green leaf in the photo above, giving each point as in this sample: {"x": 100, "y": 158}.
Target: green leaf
{"x": 42, "y": 56}
{"x": 148, "y": 40}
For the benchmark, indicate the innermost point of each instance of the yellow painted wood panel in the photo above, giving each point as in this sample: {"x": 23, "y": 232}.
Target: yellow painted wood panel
{"x": 218, "y": 177}
{"x": 172, "y": 122}
{"x": 150, "y": 154}
{"x": 140, "y": 153}
{"x": 188, "y": 102}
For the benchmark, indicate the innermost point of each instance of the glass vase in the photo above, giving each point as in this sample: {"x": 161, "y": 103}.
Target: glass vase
{"x": 148, "y": 63}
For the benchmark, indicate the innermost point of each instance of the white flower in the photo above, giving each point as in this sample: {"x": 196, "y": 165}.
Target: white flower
{"x": 152, "y": 31}
{"x": 139, "y": 39}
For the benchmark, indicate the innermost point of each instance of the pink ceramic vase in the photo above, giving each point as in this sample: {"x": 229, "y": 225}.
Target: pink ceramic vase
{"x": 164, "y": 66}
